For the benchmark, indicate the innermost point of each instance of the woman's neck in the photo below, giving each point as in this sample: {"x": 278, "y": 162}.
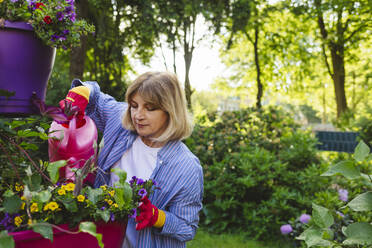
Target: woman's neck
{"x": 149, "y": 142}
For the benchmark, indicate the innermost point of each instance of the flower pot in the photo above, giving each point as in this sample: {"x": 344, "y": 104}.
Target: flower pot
{"x": 113, "y": 234}
{"x": 25, "y": 67}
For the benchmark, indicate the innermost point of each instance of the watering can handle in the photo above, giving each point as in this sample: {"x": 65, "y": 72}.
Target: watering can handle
{"x": 67, "y": 140}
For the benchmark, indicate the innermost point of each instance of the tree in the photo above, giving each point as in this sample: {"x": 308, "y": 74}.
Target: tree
{"x": 123, "y": 29}
{"x": 341, "y": 26}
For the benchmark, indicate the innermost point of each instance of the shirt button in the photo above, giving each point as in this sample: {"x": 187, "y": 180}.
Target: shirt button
{"x": 161, "y": 161}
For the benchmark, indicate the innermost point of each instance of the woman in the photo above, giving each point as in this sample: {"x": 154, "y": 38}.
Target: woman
{"x": 143, "y": 137}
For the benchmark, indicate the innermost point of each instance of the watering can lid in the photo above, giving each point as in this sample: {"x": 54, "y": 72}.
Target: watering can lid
{"x": 16, "y": 25}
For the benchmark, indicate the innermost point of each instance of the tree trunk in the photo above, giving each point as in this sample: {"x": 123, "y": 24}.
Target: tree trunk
{"x": 338, "y": 77}
{"x": 337, "y": 57}
{"x": 78, "y": 54}
{"x": 258, "y": 69}
{"x": 188, "y": 91}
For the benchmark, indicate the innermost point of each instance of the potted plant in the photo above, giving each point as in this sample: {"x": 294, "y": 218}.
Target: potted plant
{"x": 40, "y": 209}
{"x": 30, "y": 32}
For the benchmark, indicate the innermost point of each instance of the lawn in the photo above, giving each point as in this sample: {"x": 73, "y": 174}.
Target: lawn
{"x": 204, "y": 239}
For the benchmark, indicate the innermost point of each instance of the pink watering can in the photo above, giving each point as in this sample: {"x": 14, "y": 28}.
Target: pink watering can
{"x": 72, "y": 144}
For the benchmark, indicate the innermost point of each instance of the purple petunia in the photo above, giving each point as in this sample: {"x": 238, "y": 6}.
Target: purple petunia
{"x": 285, "y": 229}
{"x": 66, "y": 32}
{"x": 343, "y": 195}
{"x": 140, "y": 181}
{"x": 134, "y": 213}
{"x": 71, "y": 2}
{"x": 304, "y": 218}
{"x": 142, "y": 192}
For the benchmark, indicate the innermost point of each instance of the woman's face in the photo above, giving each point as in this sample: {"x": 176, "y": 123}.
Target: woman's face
{"x": 149, "y": 121}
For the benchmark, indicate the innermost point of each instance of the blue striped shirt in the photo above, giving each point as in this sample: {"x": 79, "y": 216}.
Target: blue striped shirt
{"x": 178, "y": 173}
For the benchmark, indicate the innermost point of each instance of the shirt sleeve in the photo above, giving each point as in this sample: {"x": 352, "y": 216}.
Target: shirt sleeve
{"x": 182, "y": 216}
{"x": 101, "y": 106}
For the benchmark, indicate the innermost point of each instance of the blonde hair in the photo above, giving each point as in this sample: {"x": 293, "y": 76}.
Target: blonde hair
{"x": 162, "y": 90}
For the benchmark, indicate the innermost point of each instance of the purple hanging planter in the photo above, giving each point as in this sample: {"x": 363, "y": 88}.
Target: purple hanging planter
{"x": 25, "y": 67}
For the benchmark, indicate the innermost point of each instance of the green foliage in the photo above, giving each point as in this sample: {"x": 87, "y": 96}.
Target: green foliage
{"x": 258, "y": 170}
{"x": 324, "y": 229}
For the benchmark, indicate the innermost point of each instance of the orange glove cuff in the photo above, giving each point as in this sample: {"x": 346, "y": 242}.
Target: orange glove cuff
{"x": 161, "y": 219}
{"x": 82, "y": 91}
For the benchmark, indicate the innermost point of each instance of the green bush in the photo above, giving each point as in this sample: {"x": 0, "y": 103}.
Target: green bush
{"x": 259, "y": 170}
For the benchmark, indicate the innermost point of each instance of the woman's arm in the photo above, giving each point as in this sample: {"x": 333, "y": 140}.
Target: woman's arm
{"x": 101, "y": 106}
{"x": 182, "y": 215}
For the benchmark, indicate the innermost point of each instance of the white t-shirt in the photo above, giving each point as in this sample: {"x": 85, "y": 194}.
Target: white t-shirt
{"x": 139, "y": 161}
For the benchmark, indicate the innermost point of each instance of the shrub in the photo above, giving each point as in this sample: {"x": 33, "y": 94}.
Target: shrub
{"x": 259, "y": 170}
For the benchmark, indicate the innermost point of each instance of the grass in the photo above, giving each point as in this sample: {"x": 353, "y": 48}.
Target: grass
{"x": 204, "y": 239}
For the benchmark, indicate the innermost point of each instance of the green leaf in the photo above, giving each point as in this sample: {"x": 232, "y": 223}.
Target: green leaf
{"x": 43, "y": 196}
{"x": 44, "y": 229}
{"x": 90, "y": 227}
{"x": 313, "y": 237}
{"x": 358, "y": 233}
{"x": 361, "y": 151}
{"x": 105, "y": 214}
{"x": 362, "y": 202}
{"x": 321, "y": 216}
{"x": 122, "y": 176}
{"x": 70, "y": 205}
{"x": 345, "y": 168}
{"x": 6, "y": 241}
{"x": 94, "y": 194}
{"x": 53, "y": 169}
{"x": 33, "y": 182}
{"x": 12, "y": 204}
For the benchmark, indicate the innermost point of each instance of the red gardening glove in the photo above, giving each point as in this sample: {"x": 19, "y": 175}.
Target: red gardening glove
{"x": 148, "y": 214}
{"x": 78, "y": 96}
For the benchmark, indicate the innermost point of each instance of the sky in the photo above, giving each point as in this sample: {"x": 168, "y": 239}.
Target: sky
{"x": 205, "y": 66}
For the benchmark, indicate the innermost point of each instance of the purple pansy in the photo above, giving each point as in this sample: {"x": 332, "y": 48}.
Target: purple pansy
{"x": 140, "y": 181}
{"x": 304, "y": 218}
{"x": 285, "y": 229}
{"x": 60, "y": 16}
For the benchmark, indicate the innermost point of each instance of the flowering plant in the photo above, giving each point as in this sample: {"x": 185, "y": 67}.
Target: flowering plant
{"x": 38, "y": 199}
{"x": 54, "y": 21}
{"x": 345, "y": 225}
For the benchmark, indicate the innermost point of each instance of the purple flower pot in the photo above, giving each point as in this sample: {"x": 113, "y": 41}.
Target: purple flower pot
{"x": 113, "y": 234}
{"x": 25, "y": 67}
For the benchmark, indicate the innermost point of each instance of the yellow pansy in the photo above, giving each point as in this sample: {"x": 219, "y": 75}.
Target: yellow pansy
{"x": 23, "y": 205}
{"x": 23, "y": 198}
{"x": 112, "y": 192}
{"x": 1, "y": 1}
{"x": 103, "y": 187}
{"x": 109, "y": 202}
{"x": 80, "y": 198}
{"x": 29, "y": 221}
{"x": 70, "y": 187}
{"x": 51, "y": 206}
{"x": 18, "y": 220}
{"x": 115, "y": 205}
{"x": 18, "y": 187}
{"x": 34, "y": 208}
{"x": 61, "y": 192}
